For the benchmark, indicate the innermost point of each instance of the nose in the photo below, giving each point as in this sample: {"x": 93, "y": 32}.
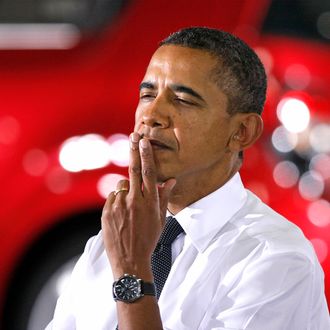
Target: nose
{"x": 156, "y": 113}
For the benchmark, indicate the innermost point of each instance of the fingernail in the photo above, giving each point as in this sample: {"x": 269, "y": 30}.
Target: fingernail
{"x": 135, "y": 137}
{"x": 144, "y": 143}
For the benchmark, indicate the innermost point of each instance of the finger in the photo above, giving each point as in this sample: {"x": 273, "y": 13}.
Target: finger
{"x": 164, "y": 192}
{"x": 148, "y": 167}
{"x": 134, "y": 166}
{"x": 107, "y": 205}
{"x": 111, "y": 198}
{"x": 122, "y": 184}
{"x": 122, "y": 188}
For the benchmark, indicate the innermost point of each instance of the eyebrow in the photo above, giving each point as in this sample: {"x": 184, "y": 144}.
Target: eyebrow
{"x": 174, "y": 87}
{"x": 186, "y": 90}
{"x": 147, "y": 85}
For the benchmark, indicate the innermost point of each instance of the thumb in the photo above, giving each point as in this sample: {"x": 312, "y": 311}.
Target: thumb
{"x": 164, "y": 192}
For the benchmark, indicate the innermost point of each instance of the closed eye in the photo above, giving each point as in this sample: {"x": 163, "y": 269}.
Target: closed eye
{"x": 184, "y": 101}
{"x": 147, "y": 96}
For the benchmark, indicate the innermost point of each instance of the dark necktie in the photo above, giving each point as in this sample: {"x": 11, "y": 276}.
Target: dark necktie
{"x": 161, "y": 259}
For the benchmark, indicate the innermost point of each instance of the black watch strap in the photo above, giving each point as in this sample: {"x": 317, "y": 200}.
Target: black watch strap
{"x": 148, "y": 289}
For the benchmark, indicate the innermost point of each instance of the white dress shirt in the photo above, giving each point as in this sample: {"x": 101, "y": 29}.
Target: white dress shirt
{"x": 240, "y": 265}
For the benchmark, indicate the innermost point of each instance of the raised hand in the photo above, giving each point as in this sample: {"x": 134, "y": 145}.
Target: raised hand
{"x": 133, "y": 216}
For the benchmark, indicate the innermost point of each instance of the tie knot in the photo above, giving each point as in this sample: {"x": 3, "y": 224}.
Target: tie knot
{"x": 171, "y": 231}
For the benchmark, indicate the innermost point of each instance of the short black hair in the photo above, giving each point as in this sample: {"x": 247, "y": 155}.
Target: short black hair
{"x": 239, "y": 73}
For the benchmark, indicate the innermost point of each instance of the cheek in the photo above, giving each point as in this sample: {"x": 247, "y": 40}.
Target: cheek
{"x": 199, "y": 138}
{"x": 190, "y": 137}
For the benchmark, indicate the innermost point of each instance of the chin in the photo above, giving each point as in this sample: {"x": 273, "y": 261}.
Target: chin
{"x": 165, "y": 172}
{"x": 163, "y": 176}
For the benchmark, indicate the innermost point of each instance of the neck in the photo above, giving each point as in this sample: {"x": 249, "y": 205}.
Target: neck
{"x": 189, "y": 190}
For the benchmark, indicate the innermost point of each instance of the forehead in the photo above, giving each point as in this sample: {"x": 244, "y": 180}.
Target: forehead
{"x": 179, "y": 64}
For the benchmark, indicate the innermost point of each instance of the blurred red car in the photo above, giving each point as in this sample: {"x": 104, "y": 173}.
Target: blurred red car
{"x": 66, "y": 112}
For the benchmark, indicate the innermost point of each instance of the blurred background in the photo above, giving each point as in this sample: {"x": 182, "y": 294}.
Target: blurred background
{"x": 69, "y": 76}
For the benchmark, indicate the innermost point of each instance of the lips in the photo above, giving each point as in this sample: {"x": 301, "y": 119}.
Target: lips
{"x": 158, "y": 141}
{"x": 159, "y": 144}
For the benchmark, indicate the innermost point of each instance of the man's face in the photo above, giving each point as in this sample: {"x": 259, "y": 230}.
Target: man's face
{"x": 183, "y": 113}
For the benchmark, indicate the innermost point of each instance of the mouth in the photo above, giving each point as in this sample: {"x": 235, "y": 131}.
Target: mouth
{"x": 158, "y": 145}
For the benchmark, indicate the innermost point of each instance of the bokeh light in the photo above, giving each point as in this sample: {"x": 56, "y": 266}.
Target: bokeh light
{"x": 35, "y": 162}
{"x": 319, "y": 213}
{"x": 283, "y": 140}
{"x": 93, "y": 151}
{"x": 311, "y": 185}
{"x": 286, "y": 174}
{"x": 293, "y": 114}
{"x": 297, "y": 76}
{"x": 119, "y": 149}
{"x": 319, "y": 138}
{"x": 321, "y": 164}
{"x": 107, "y": 183}
{"x": 87, "y": 152}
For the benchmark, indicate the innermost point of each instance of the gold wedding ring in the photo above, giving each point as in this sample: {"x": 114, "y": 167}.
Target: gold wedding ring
{"x": 120, "y": 190}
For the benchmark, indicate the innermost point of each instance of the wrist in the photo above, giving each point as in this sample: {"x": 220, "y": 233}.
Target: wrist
{"x": 142, "y": 272}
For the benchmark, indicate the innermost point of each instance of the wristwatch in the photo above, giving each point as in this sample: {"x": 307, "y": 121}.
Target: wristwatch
{"x": 129, "y": 288}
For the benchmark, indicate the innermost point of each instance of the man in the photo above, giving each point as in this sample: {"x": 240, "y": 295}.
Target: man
{"x": 237, "y": 264}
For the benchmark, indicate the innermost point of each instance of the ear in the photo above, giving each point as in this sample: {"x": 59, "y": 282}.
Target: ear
{"x": 248, "y": 128}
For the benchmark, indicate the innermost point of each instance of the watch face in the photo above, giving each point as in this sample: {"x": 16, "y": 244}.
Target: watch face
{"x": 127, "y": 288}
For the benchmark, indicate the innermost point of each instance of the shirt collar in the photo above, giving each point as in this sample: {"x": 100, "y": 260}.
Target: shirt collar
{"x": 203, "y": 219}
